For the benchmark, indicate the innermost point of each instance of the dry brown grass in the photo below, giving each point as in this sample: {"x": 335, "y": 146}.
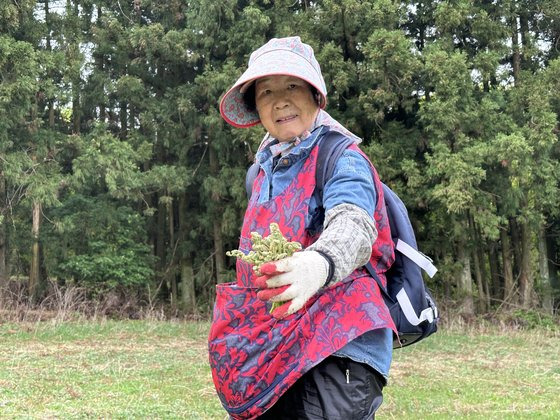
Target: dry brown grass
{"x": 73, "y": 303}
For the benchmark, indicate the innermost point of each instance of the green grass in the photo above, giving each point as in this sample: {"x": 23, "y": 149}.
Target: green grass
{"x": 127, "y": 369}
{"x": 491, "y": 374}
{"x": 148, "y": 369}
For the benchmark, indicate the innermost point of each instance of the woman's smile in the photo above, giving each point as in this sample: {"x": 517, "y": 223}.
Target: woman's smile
{"x": 287, "y": 119}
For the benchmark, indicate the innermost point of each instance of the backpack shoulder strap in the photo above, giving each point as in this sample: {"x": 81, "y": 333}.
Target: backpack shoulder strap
{"x": 331, "y": 147}
{"x": 252, "y": 173}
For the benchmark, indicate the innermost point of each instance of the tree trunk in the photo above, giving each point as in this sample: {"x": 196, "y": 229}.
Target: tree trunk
{"x": 34, "y": 281}
{"x": 494, "y": 264}
{"x": 74, "y": 38}
{"x": 545, "y": 283}
{"x": 479, "y": 282}
{"x": 160, "y": 250}
{"x": 171, "y": 268}
{"x": 99, "y": 63}
{"x": 509, "y": 288}
{"x": 524, "y": 33}
{"x": 161, "y": 228}
{"x": 3, "y": 271}
{"x": 34, "y": 270}
{"x": 485, "y": 280}
{"x": 516, "y": 246}
{"x": 421, "y": 41}
{"x": 49, "y": 48}
{"x": 188, "y": 294}
{"x": 464, "y": 282}
{"x": 76, "y": 109}
{"x": 516, "y": 53}
{"x": 219, "y": 253}
{"x": 123, "y": 119}
{"x": 478, "y": 269}
{"x": 525, "y": 276}
{"x": 553, "y": 264}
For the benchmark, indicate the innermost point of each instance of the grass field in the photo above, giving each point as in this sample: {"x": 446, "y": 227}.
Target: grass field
{"x": 149, "y": 369}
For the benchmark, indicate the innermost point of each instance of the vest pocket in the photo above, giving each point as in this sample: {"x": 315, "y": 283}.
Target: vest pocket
{"x": 236, "y": 305}
{"x": 244, "y": 339}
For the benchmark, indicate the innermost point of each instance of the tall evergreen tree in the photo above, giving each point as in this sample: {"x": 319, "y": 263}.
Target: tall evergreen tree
{"x": 110, "y": 117}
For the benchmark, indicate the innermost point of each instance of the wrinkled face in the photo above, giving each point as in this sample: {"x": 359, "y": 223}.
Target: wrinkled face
{"x": 285, "y": 105}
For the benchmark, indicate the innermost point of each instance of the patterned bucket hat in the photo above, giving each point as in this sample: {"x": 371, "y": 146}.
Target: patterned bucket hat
{"x": 279, "y": 56}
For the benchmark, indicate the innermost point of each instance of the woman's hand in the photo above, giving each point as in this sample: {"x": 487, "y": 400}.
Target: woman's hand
{"x": 294, "y": 279}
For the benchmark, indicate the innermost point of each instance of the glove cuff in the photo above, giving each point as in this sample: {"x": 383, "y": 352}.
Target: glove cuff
{"x": 330, "y": 262}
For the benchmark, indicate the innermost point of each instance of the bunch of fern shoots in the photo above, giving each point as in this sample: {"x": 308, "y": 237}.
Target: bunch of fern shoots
{"x": 273, "y": 247}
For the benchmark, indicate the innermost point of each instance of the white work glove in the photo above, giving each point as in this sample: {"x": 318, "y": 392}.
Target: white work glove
{"x": 294, "y": 279}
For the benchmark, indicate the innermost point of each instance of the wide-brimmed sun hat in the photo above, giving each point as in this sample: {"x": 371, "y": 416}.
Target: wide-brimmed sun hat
{"x": 279, "y": 56}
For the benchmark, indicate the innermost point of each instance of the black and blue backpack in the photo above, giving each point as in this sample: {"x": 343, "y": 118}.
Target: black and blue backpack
{"x": 411, "y": 304}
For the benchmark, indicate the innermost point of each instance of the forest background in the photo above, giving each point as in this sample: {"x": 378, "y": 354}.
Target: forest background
{"x": 119, "y": 179}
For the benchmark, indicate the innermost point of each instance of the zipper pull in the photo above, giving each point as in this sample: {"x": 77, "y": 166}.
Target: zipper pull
{"x": 347, "y": 376}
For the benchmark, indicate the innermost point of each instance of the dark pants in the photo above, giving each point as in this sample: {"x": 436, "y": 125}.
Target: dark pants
{"x": 337, "y": 388}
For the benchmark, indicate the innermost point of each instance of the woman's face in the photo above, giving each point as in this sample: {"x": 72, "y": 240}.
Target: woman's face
{"x": 285, "y": 105}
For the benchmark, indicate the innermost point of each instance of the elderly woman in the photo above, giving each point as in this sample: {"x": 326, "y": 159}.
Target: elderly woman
{"x": 325, "y": 353}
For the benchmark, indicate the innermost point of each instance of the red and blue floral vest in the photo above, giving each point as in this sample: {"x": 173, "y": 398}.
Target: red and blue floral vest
{"x": 254, "y": 357}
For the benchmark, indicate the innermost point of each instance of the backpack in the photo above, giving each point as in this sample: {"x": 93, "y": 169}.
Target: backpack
{"x": 410, "y": 303}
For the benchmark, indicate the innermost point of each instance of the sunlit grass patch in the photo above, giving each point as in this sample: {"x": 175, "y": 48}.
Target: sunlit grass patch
{"x": 476, "y": 374}
{"x": 110, "y": 369}
{"x": 157, "y": 369}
